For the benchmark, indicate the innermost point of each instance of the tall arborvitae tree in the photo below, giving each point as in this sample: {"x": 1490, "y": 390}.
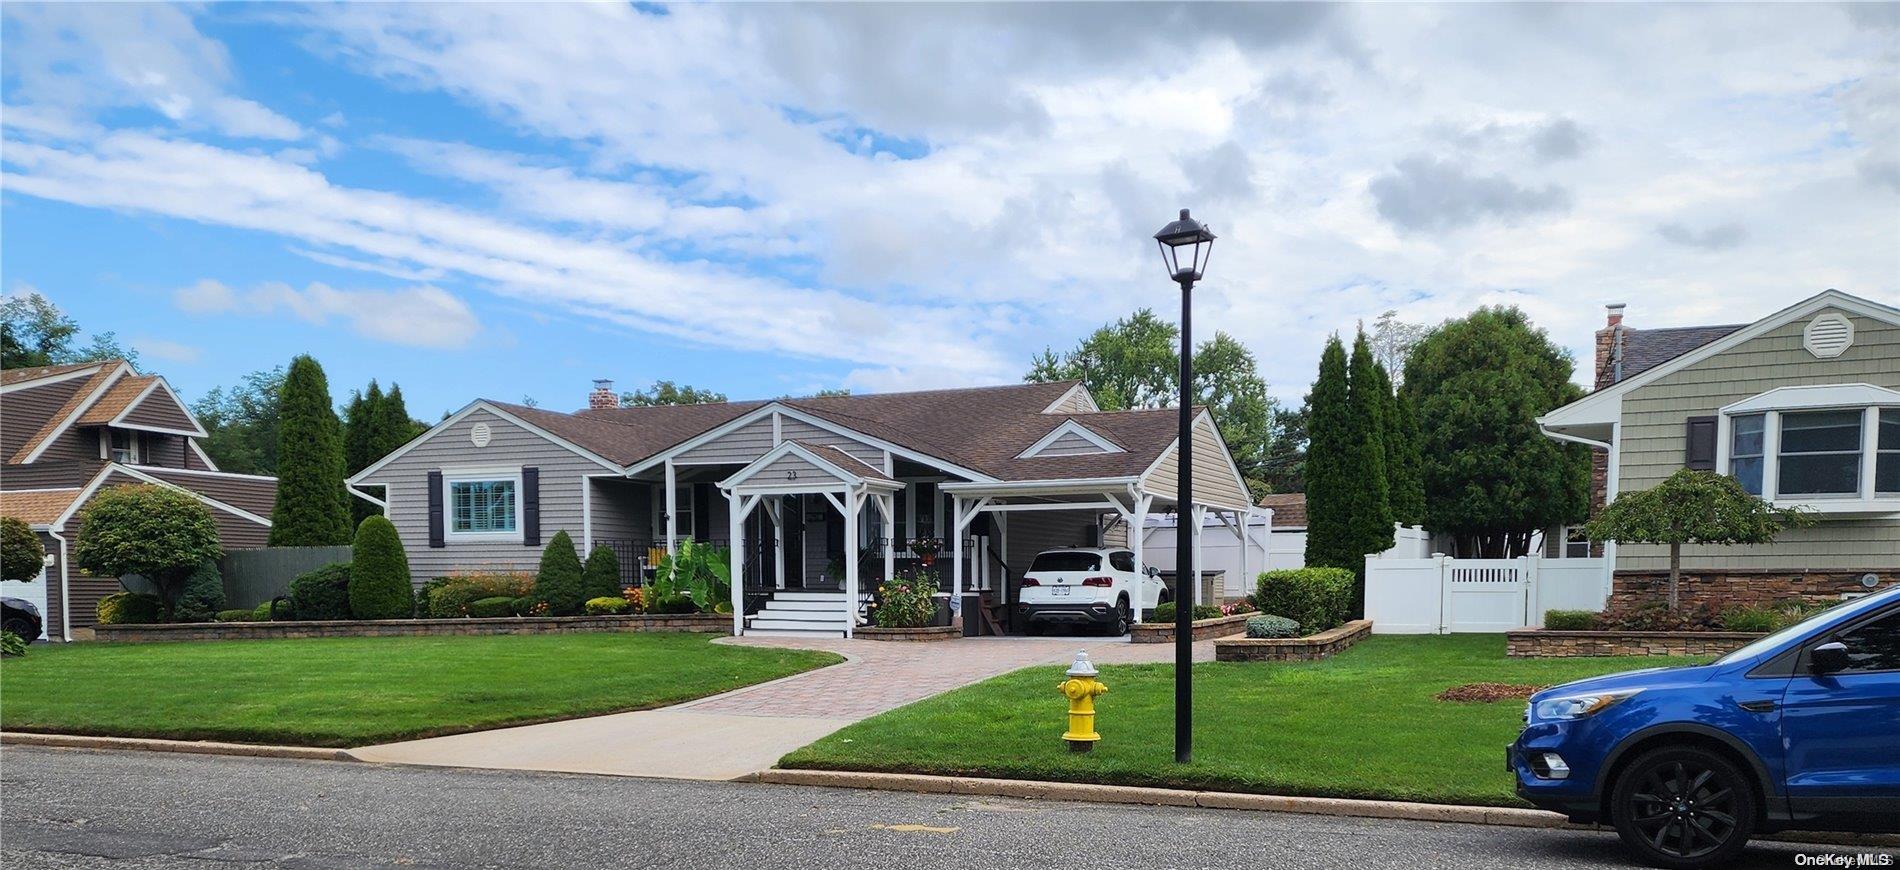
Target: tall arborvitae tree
{"x": 312, "y": 510}
{"x": 1329, "y": 473}
{"x": 362, "y": 434}
{"x": 1408, "y": 484}
{"x": 394, "y": 426}
{"x": 1370, "y": 393}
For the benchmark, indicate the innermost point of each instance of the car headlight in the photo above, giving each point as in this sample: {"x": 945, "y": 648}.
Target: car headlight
{"x": 1578, "y": 706}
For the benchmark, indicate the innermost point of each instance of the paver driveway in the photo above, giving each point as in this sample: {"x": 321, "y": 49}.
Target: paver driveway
{"x": 734, "y": 734}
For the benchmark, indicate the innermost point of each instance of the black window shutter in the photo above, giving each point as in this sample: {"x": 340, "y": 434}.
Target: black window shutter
{"x": 435, "y": 509}
{"x": 1700, "y": 454}
{"x": 702, "y": 511}
{"x": 531, "y": 507}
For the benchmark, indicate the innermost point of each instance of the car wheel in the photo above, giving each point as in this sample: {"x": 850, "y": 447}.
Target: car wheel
{"x": 1119, "y": 626}
{"x": 27, "y": 629}
{"x": 1683, "y": 807}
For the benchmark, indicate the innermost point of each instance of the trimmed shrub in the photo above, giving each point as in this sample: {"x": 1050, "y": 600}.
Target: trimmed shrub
{"x": 908, "y": 600}
{"x": 22, "y": 556}
{"x": 601, "y": 577}
{"x": 1570, "y": 620}
{"x": 605, "y": 606}
{"x": 1272, "y": 626}
{"x": 1166, "y": 611}
{"x": 422, "y": 596}
{"x": 528, "y": 605}
{"x": 240, "y": 615}
{"x": 321, "y": 594}
{"x": 558, "y": 583}
{"x": 450, "y": 599}
{"x": 678, "y": 602}
{"x": 491, "y": 608}
{"x": 379, "y": 573}
{"x": 1316, "y": 598}
{"x": 263, "y": 611}
{"x": 203, "y": 596}
{"x": 129, "y": 608}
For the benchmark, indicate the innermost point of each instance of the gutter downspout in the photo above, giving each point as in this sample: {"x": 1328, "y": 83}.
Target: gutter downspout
{"x": 367, "y": 497}
{"x": 1609, "y": 492}
{"x": 65, "y": 592}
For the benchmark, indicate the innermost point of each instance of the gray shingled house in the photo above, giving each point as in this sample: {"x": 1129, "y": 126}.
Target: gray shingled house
{"x": 1801, "y": 406}
{"x": 67, "y": 431}
{"x": 816, "y": 497}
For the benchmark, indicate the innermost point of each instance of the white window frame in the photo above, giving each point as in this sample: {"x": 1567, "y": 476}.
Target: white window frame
{"x": 106, "y": 449}
{"x": 1564, "y": 542}
{"x": 452, "y": 476}
{"x": 1869, "y": 400}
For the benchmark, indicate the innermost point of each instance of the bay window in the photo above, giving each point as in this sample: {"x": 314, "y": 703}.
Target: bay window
{"x": 1832, "y": 448}
{"x": 1820, "y": 453}
{"x": 1744, "y": 455}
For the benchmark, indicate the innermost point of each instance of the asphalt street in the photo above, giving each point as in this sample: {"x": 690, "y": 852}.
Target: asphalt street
{"x": 75, "y": 808}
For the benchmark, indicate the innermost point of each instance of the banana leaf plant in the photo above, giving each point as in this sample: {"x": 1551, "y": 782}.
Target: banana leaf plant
{"x": 699, "y": 571}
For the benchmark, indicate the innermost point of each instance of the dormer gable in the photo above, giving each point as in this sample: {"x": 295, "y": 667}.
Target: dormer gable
{"x": 1071, "y": 438}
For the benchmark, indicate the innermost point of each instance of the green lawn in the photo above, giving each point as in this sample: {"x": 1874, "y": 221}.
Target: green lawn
{"x": 1363, "y": 724}
{"x": 356, "y": 691}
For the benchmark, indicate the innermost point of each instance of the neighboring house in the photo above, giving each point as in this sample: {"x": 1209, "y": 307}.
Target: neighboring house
{"x": 996, "y": 473}
{"x": 68, "y": 431}
{"x": 1287, "y": 547}
{"x": 1802, "y": 407}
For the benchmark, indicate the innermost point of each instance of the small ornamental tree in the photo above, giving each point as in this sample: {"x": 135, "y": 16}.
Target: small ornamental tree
{"x": 1691, "y": 507}
{"x": 157, "y": 532}
{"x": 601, "y": 577}
{"x": 558, "y": 583}
{"x": 379, "y": 573}
{"x": 21, "y": 554}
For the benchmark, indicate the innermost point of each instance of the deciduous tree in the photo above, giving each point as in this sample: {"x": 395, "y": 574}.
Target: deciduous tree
{"x": 669, "y": 393}
{"x": 241, "y": 422}
{"x": 1691, "y": 507}
{"x": 157, "y": 532}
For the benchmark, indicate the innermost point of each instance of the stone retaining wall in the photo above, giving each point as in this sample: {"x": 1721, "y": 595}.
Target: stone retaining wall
{"x": 1292, "y": 649}
{"x": 911, "y": 635}
{"x": 1724, "y": 588}
{"x": 1542, "y": 643}
{"x": 1204, "y": 629}
{"x": 699, "y": 622}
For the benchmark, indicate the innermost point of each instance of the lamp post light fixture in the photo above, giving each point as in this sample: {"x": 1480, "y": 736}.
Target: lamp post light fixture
{"x": 1185, "y": 246}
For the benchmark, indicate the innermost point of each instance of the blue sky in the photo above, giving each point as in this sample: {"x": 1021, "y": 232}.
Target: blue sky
{"x": 509, "y": 201}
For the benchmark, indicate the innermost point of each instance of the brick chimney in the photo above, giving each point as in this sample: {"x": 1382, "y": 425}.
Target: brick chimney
{"x": 603, "y": 395}
{"x": 1609, "y": 358}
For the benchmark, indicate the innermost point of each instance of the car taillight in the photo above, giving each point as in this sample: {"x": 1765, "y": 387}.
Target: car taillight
{"x": 1030, "y": 581}
{"x": 1103, "y": 582}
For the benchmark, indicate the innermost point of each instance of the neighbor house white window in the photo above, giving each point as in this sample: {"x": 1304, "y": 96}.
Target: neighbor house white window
{"x": 122, "y": 445}
{"x": 484, "y": 507}
{"x": 1576, "y": 544}
{"x": 1832, "y": 448}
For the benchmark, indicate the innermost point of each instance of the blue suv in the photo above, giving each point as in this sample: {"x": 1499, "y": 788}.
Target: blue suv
{"x": 1798, "y": 730}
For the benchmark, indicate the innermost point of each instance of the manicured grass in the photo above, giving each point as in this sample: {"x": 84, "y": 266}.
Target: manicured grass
{"x": 357, "y": 691}
{"x": 1363, "y": 724}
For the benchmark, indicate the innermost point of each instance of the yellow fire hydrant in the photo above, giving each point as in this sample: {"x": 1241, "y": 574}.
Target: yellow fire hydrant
{"x": 1081, "y": 688}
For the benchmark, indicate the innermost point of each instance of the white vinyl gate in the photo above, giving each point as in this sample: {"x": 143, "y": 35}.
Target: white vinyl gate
{"x": 1442, "y": 595}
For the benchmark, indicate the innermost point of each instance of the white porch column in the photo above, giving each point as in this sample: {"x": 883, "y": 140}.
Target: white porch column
{"x": 956, "y": 551}
{"x": 1199, "y": 515}
{"x": 888, "y": 510}
{"x": 1246, "y": 543}
{"x": 775, "y": 509}
{"x": 672, "y": 509}
{"x": 735, "y": 527}
{"x": 1137, "y": 535}
{"x": 853, "y": 502}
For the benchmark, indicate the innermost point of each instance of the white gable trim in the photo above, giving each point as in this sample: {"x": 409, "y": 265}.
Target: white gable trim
{"x": 231, "y": 509}
{"x": 457, "y": 417}
{"x": 1173, "y": 451}
{"x": 104, "y": 387}
{"x": 197, "y": 430}
{"x": 769, "y": 408}
{"x": 202, "y": 456}
{"x": 1815, "y": 396}
{"x": 1071, "y": 427}
{"x": 844, "y": 477}
{"x": 1604, "y": 406}
{"x": 1088, "y": 399}
{"x": 49, "y": 380}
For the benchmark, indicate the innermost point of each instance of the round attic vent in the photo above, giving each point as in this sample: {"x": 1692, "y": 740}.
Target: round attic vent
{"x": 479, "y": 435}
{"x": 1828, "y": 335}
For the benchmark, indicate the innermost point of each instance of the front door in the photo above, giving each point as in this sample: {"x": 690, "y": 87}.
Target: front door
{"x": 1842, "y": 729}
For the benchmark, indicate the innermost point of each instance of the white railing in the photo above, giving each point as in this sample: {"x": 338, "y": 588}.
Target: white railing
{"x": 1442, "y": 595}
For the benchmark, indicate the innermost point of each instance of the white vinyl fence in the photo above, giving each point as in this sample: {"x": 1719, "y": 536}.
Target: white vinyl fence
{"x": 1442, "y": 595}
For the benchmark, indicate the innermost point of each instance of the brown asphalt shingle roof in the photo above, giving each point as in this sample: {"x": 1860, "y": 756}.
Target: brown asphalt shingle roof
{"x": 1289, "y": 509}
{"x": 1645, "y": 349}
{"x": 39, "y": 507}
{"x": 92, "y": 385}
{"x": 31, "y": 373}
{"x": 117, "y": 398}
{"x": 836, "y": 455}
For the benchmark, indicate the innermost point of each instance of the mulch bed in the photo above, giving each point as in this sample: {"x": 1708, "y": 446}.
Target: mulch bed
{"x": 1487, "y": 692}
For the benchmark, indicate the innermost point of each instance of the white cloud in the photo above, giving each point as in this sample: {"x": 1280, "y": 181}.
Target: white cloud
{"x": 417, "y": 316}
{"x": 167, "y": 351}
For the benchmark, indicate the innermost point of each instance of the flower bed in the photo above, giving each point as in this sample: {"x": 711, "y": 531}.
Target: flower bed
{"x": 698, "y": 622}
{"x": 924, "y": 633}
{"x": 1545, "y": 643}
{"x": 1313, "y": 647}
{"x": 1204, "y": 629}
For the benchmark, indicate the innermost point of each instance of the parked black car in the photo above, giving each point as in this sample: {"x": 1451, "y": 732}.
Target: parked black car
{"x": 19, "y": 616}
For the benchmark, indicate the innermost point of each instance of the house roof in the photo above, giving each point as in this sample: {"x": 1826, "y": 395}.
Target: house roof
{"x": 10, "y": 377}
{"x": 1644, "y": 349}
{"x": 1289, "y": 509}
{"x": 54, "y": 423}
{"x": 628, "y": 435}
{"x": 116, "y": 399}
{"x": 838, "y": 456}
{"x": 38, "y": 507}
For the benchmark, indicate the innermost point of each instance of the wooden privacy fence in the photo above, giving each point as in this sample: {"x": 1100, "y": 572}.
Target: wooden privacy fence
{"x": 252, "y": 577}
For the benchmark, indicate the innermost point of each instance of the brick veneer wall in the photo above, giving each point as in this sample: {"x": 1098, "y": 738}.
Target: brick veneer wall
{"x": 1292, "y": 649}
{"x": 699, "y": 622}
{"x": 1541, "y": 643}
{"x": 1204, "y": 629}
{"x": 1736, "y": 587}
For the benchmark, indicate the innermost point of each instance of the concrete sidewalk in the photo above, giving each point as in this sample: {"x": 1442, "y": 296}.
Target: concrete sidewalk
{"x": 741, "y": 732}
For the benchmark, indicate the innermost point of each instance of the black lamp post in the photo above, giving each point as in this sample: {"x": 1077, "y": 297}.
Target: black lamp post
{"x": 1185, "y": 246}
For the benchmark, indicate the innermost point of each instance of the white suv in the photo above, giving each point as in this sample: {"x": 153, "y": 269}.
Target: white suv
{"x": 1087, "y": 586}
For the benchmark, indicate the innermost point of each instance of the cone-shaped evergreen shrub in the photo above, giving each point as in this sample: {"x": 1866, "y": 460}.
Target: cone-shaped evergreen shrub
{"x": 601, "y": 578}
{"x": 558, "y": 583}
{"x": 312, "y": 508}
{"x": 379, "y": 573}
{"x": 203, "y": 596}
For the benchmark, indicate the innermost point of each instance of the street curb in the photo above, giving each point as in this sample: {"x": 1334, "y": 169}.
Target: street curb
{"x": 1125, "y": 794}
{"x": 198, "y": 747}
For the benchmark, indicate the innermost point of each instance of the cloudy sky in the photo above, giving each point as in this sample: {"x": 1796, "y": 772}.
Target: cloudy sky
{"x": 507, "y": 201}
